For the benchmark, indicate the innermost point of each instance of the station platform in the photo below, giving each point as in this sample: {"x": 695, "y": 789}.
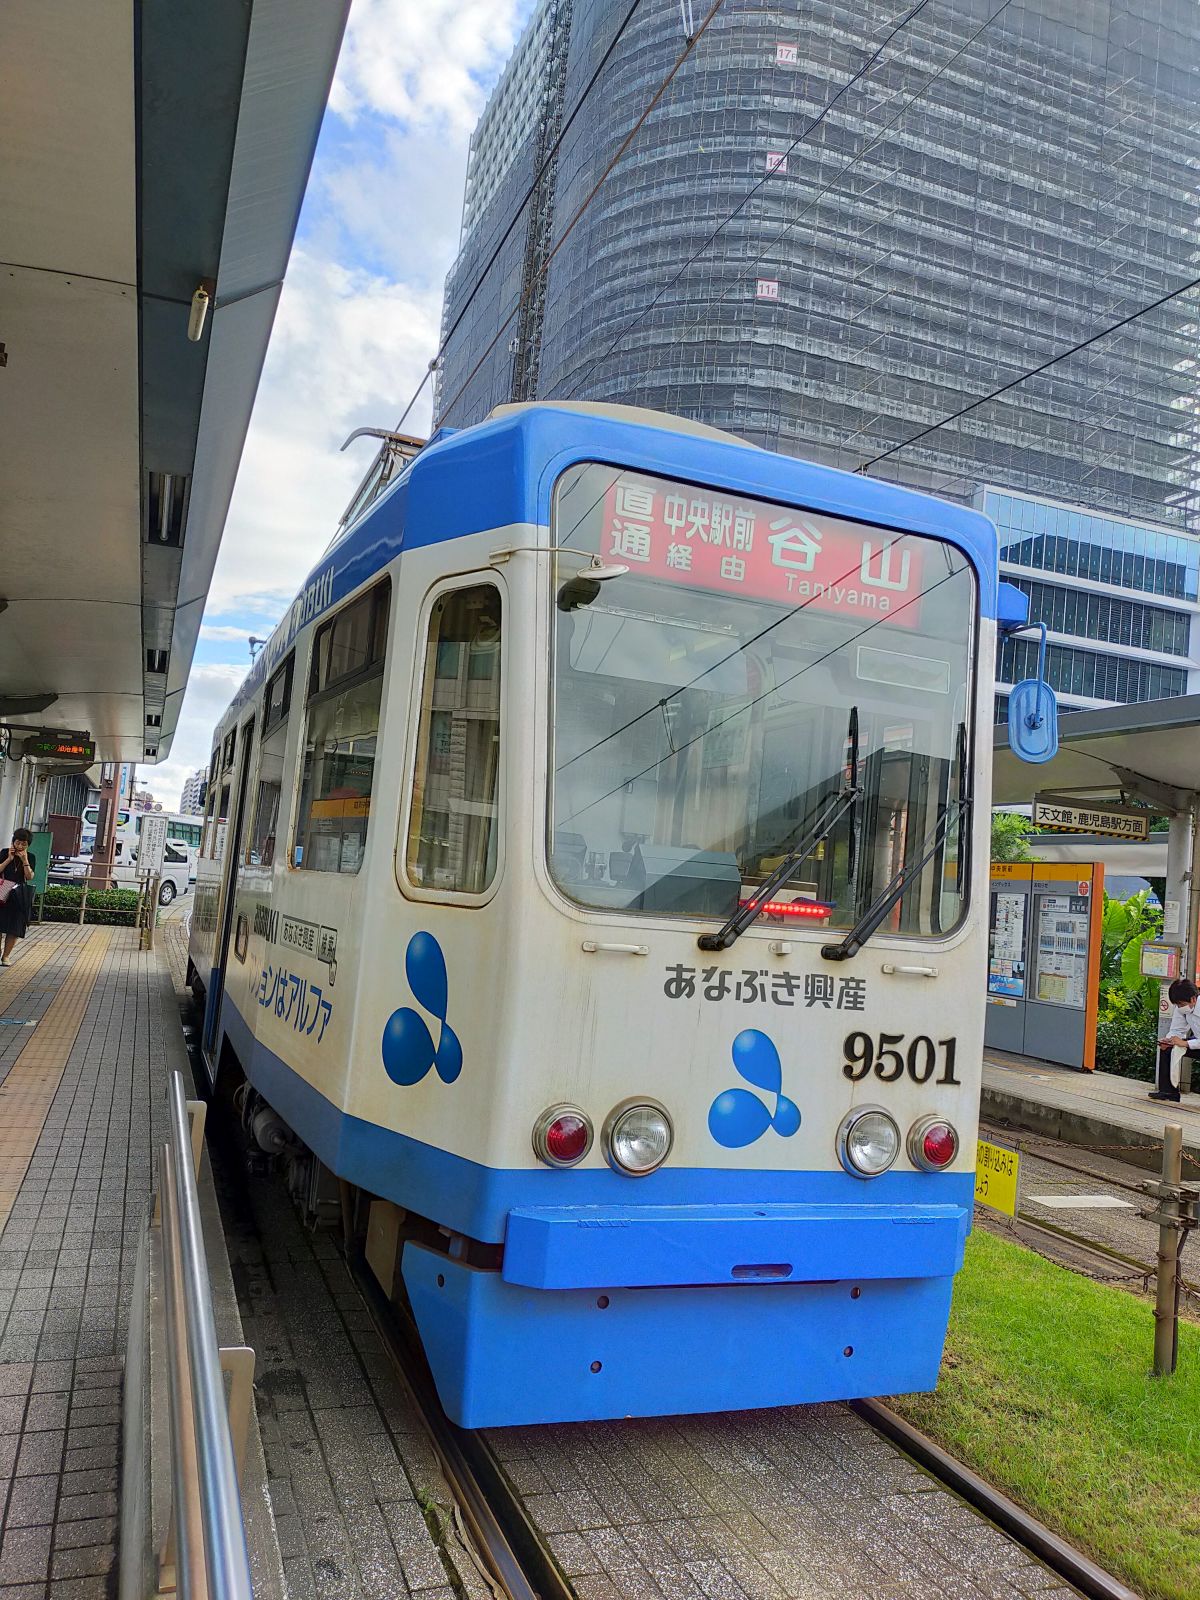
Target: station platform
{"x": 1098, "y": 1111}
{"x": 89, "y": 1035}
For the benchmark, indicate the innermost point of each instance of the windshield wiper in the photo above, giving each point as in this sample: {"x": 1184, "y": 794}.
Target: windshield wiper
{"x": 870, "y": 920}
{"x": 831, "y": 813}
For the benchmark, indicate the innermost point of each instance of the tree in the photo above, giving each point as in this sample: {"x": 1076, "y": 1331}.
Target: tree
{"x": 1008, "y": 837}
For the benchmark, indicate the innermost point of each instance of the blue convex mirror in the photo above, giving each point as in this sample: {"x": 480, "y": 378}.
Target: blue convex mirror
{"x": 1033, "y": 721}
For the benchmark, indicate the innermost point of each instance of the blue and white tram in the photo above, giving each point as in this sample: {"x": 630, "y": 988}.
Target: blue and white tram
{"x": 590, "y": 877}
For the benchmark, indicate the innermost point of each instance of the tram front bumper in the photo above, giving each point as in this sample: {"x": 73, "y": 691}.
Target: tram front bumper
{"x": 598, "y": 1247}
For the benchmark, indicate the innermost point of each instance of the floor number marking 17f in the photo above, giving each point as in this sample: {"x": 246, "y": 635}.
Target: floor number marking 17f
{"x": 890, "y": 1059}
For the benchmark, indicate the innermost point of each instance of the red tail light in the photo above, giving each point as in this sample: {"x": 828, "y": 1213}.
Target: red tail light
{"x": 562, "y": 1135}
{"x": 932, "y": 1143}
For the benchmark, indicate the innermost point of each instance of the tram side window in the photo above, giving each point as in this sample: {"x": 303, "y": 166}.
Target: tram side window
{"x": 344, "y": 694}
{"x": 453, "y": 835}
{"x": 260, "y": 847}
{"x": 221, "y": 823}
{"x": 207, "y": 848}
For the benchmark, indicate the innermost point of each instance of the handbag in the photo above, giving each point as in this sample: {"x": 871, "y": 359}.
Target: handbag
{"x": 6, "y": 888}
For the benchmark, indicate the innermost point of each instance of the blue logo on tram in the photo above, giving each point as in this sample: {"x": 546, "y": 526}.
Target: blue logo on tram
{"x": 737, "y": 1117}
{"x": 408, "y": 1048}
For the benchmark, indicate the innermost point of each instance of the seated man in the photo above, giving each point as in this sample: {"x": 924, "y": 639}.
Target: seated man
{"x": 1181, "y": 1038}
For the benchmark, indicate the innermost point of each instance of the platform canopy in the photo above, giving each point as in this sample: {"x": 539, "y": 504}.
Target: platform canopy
{"x": 1149, "y": 752}
{"x": 148, "y": 150}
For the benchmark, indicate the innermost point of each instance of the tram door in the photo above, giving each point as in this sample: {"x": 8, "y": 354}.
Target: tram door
{"x": 233, "y": 855}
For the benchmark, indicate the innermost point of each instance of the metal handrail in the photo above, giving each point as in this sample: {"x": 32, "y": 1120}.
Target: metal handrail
{"x": 203, "y": 1466}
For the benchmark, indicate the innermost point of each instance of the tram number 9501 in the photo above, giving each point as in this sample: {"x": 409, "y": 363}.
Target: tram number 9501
{"x": 892, "y": 1056}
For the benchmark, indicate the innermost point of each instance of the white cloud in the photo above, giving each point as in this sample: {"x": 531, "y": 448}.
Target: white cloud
{"x": 225, "y": 632}
{"x": 360, "y": 313}
{"x": 423, "y": 63}
{"x": 210, "y": 688}
{"x": 347, "y": 345}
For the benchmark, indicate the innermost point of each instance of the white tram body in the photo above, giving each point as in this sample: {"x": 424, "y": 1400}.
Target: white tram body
{"x": 467, "y": 820}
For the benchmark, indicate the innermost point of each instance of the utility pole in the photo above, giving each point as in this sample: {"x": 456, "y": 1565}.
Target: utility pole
{"x": 100, "y": 875}
{"x": 1175, "y": 1214}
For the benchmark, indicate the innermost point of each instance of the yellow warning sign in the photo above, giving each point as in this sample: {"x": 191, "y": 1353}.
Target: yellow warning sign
{"x": 997, "y": 1169}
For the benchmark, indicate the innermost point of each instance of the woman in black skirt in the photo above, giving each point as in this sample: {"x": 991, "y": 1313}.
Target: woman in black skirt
{"x": 16, "y": 864}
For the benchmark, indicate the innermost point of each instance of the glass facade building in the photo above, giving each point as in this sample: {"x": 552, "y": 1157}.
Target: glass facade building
{"x": 1120, "y": 601}
{"x": 836, "y": 229}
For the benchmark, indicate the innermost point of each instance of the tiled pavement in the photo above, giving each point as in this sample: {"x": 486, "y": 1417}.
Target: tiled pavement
{"x": 804, "y": 1503}
{"x": 354, "y": 1482}
{"x": 69, "y": 1247}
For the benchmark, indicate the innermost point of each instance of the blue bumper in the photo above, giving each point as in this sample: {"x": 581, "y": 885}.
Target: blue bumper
{"x": 598, "y": 1247}
{"x": 601, "y": 1312}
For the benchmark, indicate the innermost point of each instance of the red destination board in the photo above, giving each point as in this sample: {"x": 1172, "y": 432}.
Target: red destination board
{"x": 714, "y": 541}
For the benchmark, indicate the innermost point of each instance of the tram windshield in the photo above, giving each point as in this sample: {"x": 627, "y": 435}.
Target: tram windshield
{"x": 702, "y": 706}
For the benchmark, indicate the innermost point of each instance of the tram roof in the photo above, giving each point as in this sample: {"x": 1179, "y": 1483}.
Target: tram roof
{"x": 150, "y": 150}
{"x": 1151, "y": 750}
{"x": 502, "y": 472}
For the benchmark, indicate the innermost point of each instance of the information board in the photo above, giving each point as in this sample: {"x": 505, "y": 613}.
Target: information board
{"x": 1044, "y": 937}
{"x": 152, "y": 842}
{"x": 1061, "y": 954}
{"x": 1006, "y": 945}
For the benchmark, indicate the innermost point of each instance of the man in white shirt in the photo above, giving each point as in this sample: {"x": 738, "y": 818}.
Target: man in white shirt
{"x": 1181, "y": 1038}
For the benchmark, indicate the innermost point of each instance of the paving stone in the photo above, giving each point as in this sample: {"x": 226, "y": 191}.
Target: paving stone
{"x": 25, "y": 1556}
{"x": 32, "y": 1502}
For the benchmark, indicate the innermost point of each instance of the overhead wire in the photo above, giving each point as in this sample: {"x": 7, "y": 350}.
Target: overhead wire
{"x": 1033, "y": 372}
{"x": 757, "y": 260}
{"x": 684, "y": 55}
{"x": 521, "y": 204}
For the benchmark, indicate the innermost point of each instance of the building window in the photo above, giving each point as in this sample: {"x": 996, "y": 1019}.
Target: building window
{"x": 344, "y": 694}
{"x": 452, "y": 832}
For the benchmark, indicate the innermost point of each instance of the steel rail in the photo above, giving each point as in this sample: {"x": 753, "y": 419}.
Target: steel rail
{"x": 1048, "y": 1546}
{"x": 519, "y": 1565}
{"x": 198, "y": 1409}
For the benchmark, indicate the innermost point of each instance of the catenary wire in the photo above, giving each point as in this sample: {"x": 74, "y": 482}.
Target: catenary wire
{"x": 1033, "y": 372}
{"x": 796, "y": 220}
{"x": 750, "y": 704}
{"x": 759, "y": 183}
{"x": 591, "y": 195}
{"x": 521, "y": 204}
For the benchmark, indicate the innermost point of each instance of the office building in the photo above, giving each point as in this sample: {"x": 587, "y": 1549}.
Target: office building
{"x": 990, "y": 191}
{"x": 1119, "y": 599}
{"x": 189, "y": 800}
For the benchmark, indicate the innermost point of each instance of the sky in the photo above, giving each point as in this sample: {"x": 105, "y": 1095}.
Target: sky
{"x": 358, "y": 318}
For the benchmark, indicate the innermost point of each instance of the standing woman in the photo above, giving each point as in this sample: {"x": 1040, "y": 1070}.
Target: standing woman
{"x": 16, "y": 864}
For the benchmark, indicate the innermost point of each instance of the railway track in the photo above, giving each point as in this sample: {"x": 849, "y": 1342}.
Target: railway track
{"x": 1130, "y": 1268}
{"x": 520, "y": 1567}
{"x": 515, "y": 1562}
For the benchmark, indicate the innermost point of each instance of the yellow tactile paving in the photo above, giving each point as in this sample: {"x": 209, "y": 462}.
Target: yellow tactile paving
{"x": 27, "y": 1092}
{"x": 32, "y": 955}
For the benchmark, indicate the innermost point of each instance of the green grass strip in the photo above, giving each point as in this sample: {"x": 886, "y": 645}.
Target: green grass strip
{"x": 1046, "y": 1392}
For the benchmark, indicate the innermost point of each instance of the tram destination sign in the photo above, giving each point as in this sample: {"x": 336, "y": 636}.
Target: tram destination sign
{"x": 1076, "y": 816}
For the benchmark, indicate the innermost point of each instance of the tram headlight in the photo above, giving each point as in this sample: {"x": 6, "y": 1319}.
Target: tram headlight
{"x": 562, "y": 1136}
{"x": 932, "y": 1143}
{"x": 637, "y": 1137}
{"x": 868, "y": 1141}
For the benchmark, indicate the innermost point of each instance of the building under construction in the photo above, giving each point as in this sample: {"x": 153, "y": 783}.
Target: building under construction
{"x": 839, "y": 227}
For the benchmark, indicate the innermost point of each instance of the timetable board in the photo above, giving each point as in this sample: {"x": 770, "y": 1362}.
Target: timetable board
{"x": 1061, "y": 972}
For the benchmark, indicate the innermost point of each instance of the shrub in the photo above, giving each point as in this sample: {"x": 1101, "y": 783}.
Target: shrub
{"x": 1126, "y": 1045}
{"x": 104, "y": 906}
